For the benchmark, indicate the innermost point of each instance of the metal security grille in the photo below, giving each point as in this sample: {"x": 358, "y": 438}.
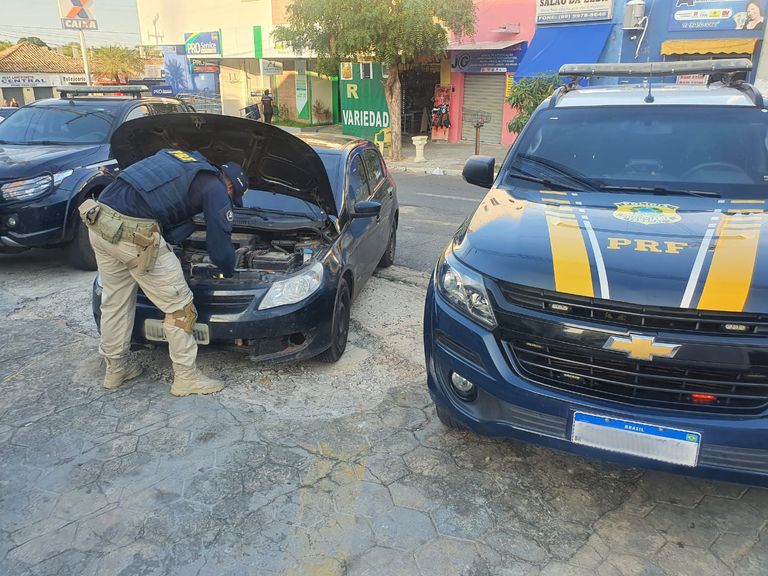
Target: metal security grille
{"x": 484, "y": 92}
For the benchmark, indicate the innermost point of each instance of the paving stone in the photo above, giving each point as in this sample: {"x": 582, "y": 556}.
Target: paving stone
{"x": 736, "y": 517}
{"x": 378, "y": 561}
{"x": 364, "y": 499}
{"x": 629, "y": 535}
{"x": 758, "y": 499}
{"x": 403, "y": 529}
{"x": 80, "y": 502}
{"x": 430, "y": 462}
{"x": 39, "y": 549}
{"x": 691, "y": 527}
{"x": 36, "y": 530}
{"x": 466, "y": 522}
{"x": 143, "y": 557}
{"x": 73, "y": 474}
{"x": 163, "y": 493}
{"x": 113, "y": 529}
{"x": 517, "y": 545}
{"x": 346, "y": 447}
{"x": 164, "y": 440}
{"x": 557, "y": 568}
{"x": 383, "y": 468}
{"x": 563, "y": 539}
{"x": 689, "y": 560}
{"x": 338, "y": 536}
{"x": 66, "y": 563}
{"x": 586, "y": 557}
{"x": 213, "y": 436}
{"x": 120, "y": 446}
{"x": 753, "y": 563}
{"x": 720, "y": 489}
{"x": 635, "y": 566}
{"x": 444, "y": 556}
{"x": 731, "y": 548}
{"x": 416, "y": 492}
{"x": 130, "y": 468}
{"x": 212, "y": 486}
{"x": 186, "y": 462}
{"x": 26, "y": 509}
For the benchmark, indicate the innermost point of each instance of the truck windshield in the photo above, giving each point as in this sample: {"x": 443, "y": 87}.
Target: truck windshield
{"x": 721, "y": 150}
{"x": 65, "y": 124}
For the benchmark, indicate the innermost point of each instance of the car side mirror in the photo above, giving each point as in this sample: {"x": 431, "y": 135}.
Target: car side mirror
{"x": 479, "y": 171}
{"x": 365, "y": 209}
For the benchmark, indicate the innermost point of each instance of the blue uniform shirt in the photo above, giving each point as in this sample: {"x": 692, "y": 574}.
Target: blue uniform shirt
{"x": 207, "y": 194}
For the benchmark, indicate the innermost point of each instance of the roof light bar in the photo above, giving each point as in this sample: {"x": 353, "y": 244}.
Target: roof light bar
{"x": 135, "y": 90}
{"x": 659, "y": 69}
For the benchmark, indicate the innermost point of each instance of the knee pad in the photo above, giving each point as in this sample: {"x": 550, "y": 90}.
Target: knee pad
{"x": 184, "y": 318}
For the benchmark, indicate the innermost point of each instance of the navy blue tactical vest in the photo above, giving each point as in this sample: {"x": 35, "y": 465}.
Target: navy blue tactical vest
{"x": 163, "y": 181}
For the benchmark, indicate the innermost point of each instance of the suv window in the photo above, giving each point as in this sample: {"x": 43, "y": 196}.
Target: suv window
{"x": 357, "y": 186}
{"x": 374, "y": 168}
{"x": 60, "y": 124}
{"x": 138, "y": 112}
{"x": 167, "y": 108}
{"x": 696, "y": 148}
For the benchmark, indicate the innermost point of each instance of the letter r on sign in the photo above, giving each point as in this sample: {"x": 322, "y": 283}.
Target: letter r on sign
{"x": 352, "y": 91}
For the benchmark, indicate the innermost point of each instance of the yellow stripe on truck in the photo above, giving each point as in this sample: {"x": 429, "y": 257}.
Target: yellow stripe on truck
{"x": 730, "y": 274}
{"x": 569, "y": 257}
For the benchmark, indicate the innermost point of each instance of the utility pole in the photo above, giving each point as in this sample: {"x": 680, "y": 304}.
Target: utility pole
{"x": 85, "y": 57}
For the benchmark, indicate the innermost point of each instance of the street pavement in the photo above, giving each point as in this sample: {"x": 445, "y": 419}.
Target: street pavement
{"x": 315, "y": 469}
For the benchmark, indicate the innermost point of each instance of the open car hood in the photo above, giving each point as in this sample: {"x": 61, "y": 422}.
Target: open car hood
{"x": 274, "y": 160}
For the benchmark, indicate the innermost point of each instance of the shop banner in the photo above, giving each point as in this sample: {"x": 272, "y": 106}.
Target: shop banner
{"x": 197, "y": 66}
{"x": 38, "y": 80}
{"x": 202, "y": 44}
{"x": 560, "y": 11}
{"x": 364, "y": 110}
{"x": 745, "y": 16}
{"x": 302, "y": 110}
{"x": 487, "y": 62}
{"x": 270, "y": 68}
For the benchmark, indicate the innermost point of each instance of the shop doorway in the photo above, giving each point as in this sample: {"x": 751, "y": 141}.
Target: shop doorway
{"x": 43, "y": 92}
{"x": 483, "y": 92}
{"x": 17, "y": 93}
{"x": 418, "y": 87}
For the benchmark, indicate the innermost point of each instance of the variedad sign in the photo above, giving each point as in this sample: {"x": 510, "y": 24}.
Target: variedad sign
{"x": 202, "y": 44}
{"x": 364, "y": 110}
{"x": 77, "y": 15}
{"x": 488, "y": 62}
{"x": 163, "y": 90}
{"x": 302, "y": 98}
{"x": 559, "y": 11}
{"x": 270, "y": 68}
{"x": 692, "y": 15}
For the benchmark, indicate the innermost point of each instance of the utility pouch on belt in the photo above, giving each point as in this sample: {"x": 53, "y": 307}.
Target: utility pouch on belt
{"x": 89, "y": 211}
{"x": 150, "y": 253}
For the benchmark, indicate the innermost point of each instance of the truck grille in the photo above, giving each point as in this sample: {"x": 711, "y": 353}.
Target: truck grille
{"x": 661, "y": 384}
{"x": 634, "y": 316}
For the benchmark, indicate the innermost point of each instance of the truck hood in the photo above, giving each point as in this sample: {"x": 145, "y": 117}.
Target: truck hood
{"x": 27, "y": 161}
{"x": 671, "y": 251}
{"x": 274, "y": 160}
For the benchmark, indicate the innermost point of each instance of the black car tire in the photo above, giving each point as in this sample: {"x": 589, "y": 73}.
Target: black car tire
{"x": 448, "y": 420}
{"x": 389, "y": 256}
{"x": 79, "y": 251}
{"x": 340, "y": 328}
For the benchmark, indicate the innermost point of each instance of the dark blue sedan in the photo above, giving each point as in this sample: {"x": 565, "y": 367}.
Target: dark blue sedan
{"x": 320, "y": 215}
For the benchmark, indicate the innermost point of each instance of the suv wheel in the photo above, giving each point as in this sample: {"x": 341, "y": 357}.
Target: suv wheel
{"x": 78, "y": 250}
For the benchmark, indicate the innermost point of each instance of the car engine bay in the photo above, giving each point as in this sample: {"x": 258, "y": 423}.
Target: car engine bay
{"x": 261, "y": 254}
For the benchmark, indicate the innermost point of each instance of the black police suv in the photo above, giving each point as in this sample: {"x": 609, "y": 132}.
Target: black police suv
{"x": 319, "y": 216}
{"x": 53, "y": 154}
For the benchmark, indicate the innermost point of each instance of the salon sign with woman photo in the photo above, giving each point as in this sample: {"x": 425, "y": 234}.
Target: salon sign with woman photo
{"x": 744, "y": 15}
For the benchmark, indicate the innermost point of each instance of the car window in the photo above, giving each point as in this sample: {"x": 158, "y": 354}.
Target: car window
{"x": 138, "y": 112}
{"x": 697, "y": 148}
{"x": 357, "y": 185}
{"x": 167, "y": 108}
{"x": 373, "y": 167}
{"x": 60, "y": 124}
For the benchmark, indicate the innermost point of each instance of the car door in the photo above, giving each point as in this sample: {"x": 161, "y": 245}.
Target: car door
{"x": 360, "y": 245}
{"x": 382, "y": 191}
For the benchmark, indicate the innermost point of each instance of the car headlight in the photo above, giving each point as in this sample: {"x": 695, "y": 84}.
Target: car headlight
{"x": 294, "y": 289}
{"x": 33, "y": 187}
{"x": 464, "y": 290}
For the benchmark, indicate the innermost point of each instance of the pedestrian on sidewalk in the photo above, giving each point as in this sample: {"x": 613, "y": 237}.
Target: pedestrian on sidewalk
{"x": 266, "y": 107}
{"x": 151, "y": 202}
{"x": 14, "y": 103}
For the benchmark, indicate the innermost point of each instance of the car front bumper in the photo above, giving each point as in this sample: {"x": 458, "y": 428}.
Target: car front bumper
{"x": 286, "y": 333}
{"x": 733, "y": 448}
{"x": 36, "y": 223}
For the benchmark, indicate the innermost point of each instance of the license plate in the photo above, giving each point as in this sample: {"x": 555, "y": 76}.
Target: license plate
{"x": 637, "y": 439}
{"x": 153, "y": 331}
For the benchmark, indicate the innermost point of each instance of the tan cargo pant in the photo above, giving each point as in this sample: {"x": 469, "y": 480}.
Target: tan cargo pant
{"x": 164, "y": 286}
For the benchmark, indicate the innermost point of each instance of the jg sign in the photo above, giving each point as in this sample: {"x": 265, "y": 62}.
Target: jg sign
{"x": 77, "y": 15}
{"x": 202, "y": 44}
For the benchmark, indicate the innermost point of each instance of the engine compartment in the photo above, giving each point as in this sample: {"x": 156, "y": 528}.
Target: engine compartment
{"x": 262, "y": 251}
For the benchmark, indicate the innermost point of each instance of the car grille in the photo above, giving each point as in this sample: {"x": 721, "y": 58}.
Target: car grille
{"x": 661, "y": 384}
{"x": 221, "y": 304}
{"x": 634, "y": 316}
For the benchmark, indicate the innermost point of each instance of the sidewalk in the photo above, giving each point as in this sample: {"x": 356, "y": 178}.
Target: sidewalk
{"x": 449, "y": 158}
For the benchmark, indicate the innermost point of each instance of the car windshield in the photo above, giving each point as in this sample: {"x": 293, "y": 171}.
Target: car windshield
{"x": 274, "y": 203}
{"x": 64, "y": 124}
{"x": 331, "y": 163}
{"x": 709, "y": 150}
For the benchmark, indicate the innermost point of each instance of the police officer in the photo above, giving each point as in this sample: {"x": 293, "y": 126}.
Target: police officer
{"x": 150, "y": 205}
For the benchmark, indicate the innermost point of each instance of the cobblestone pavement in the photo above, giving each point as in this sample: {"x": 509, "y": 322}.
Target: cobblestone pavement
{"x": 311, "y": 469}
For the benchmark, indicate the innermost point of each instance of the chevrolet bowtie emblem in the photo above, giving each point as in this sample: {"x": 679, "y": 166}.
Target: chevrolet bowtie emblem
{"x": 641, "y": 347}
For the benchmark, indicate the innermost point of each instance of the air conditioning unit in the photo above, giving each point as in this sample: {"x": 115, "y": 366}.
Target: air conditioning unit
{"x": 634, "y": 15}
{"x": 508, "y": 29}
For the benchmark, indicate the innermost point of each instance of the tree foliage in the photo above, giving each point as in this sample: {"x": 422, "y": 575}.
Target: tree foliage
{"x": 117, "y": 62}
{"x": 5, "y": 44}
{"x": 33, "y": 40}
{"x": 527, "y": 94}
{"x": 67, "y": 48}
{"x": 389, "y": 31}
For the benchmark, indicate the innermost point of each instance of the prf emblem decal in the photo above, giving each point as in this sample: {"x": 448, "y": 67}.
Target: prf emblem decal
{"x": 641, "y": 347}
{"x": 647, "y": 213}
{"x": 183, "y": 156}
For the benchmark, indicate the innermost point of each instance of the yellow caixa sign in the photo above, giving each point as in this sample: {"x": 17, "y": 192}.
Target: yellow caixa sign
{"x": 562, "y": 11}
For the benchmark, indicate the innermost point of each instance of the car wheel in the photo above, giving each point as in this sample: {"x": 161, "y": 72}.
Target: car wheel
{"x": 78, "y": 250}
{"x": 447, "y": 420}
{"x": 340, "y": 329}
{"x": 389, "y": 256}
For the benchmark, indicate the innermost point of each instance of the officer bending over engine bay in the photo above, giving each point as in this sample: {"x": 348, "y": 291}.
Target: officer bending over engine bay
{"x": 150, "y": 205}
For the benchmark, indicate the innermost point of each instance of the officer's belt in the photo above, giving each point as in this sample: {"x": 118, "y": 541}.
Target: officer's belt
{"x": 134, "y": 230}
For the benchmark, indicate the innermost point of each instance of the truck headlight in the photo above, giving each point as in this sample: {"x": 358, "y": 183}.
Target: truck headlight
{"x": 294, "y": 289}
{"x": 464, "y": 290}
{"x": 33, "y": 187}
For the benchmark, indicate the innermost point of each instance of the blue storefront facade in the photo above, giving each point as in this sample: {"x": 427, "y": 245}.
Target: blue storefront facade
{"x": 613, "y": 31}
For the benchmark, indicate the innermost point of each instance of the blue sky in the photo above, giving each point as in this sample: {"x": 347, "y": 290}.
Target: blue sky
{"x": 118, "y": 22}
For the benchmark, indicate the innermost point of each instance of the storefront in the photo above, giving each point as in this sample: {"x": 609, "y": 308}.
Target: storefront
{"x": 28, "y": 87}
{"x": 364, "y": 110}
